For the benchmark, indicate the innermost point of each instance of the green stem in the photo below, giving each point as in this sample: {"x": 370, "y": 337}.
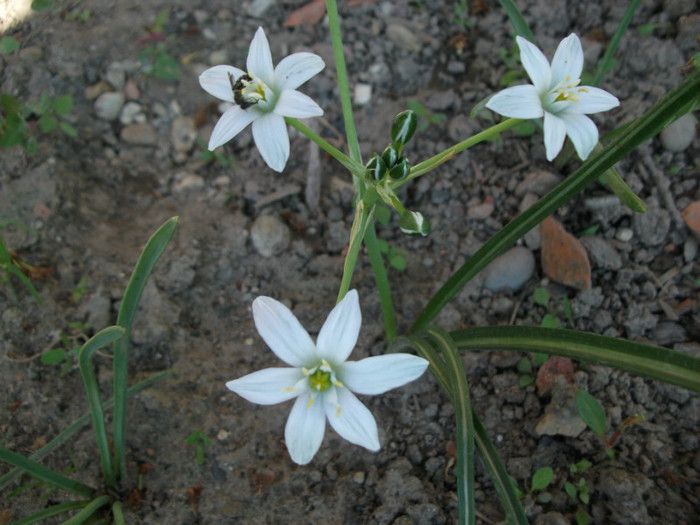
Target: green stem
{"x": 351, "y": 165}
{"x": 442, "y": 157}
{"x": 363, "y": 213}
{"x": 382, "y": 280}
{"x": 342, "y": 73}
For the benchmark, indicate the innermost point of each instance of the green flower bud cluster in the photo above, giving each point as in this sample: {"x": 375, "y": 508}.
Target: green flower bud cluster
{"x": 392, "y": 162}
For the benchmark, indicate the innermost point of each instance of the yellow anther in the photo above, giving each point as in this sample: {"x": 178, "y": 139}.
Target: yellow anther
{"x": 311, "y": 402}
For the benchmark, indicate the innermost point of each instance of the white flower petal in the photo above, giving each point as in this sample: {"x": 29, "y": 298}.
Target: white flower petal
{"x": 282, "y": 332}
{"x": 272, "y": 140}
{"x": 292, "y": 103}
{"x": 351, "y": 419}
{"x": 294, "y": 70}
{"x": 517, "y": 102}
{"x": 375, "y": 375}
{"x": 535, "y": 63}
{"x": 593, "y": 100}
{"x": 305, "y": 428}
{"x": 268, "y": 386}
{"x": 582, "y": 131}
{"x": 216, "y": 81}
{"x": 259, "y": 61}
{"x": 567, "y": 63}
{"x": 554, "y": 134}
{"x": 231, "y": 123}
{"x": 338, "y": 335}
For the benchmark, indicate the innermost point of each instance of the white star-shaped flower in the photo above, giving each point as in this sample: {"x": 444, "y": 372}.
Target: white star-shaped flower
{"x": 320, "y": 378}
{"x": 555, "y": 93}
{"x": 264, "y": 96}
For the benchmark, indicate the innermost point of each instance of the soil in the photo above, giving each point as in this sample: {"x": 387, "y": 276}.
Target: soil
{"x": 90, "y": 204}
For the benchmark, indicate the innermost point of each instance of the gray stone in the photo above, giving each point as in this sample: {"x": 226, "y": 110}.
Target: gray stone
{"x": 561, "y": 415}
{"x": 538, "y": 182}
{"x": 601, "y": 252}
{"x": 108, "y": 105}
{"x": 270, "y": 235}
{"x": 551, "y": 518}
{"x": 511, "y": 269}
{"x": 667, "y": 333}
{"x": 624, "y": 492}
{"x": 338, "y": 236}
{"x": 183, "y": 134}
{"x": 140, "y": 135}
{"x": 652, "y": 227}
{"x": 403, "y": 37}
{"x": 680, "y": 134}
{"x": 189, "y": 182}
{"x": 131, "y": 113}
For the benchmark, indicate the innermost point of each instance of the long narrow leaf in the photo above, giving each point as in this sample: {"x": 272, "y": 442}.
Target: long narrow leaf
{"x": 606, "y": 63}
{"x": 651, "y": 123}
{"x": 42, "y": 473}
{"x": 647, "y": 360}
{"x": 102, "y": 338}
{"x": 150, "y": 255}
{"x": 464, "y": 422}
{"x": 88, "y": 510}
{"x": 499, "y": 475}
{"x": 52, "y": 511}
{"x": 73, "y": 429}
{"x": 517, "y": 20}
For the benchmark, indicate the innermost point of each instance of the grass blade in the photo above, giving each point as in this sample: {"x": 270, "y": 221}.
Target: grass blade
{"x": 102, "y": 338}
{"x": 149, "y": 256}
{"x": 607, "y": 63}
{"x": 47, "y": 475}
{"x": 647, "y": 360}
{"x": 53, "y": 510}
{"x": 88, "y": 510}
{"x": 517, "y": 20}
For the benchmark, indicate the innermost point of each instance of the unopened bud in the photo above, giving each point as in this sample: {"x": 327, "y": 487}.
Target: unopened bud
{"x": 390, "y": 156}
{"x": 400, "y": 170}
{"x": 404, "y": 126}
{"x": 376, "y": 168}
{"x": 413, "y": 223}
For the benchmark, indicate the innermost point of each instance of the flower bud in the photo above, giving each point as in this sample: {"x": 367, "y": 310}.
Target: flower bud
{"x": 404, "y": 126}
{"x": 413, "y": 223}
{"x": 376, "y": 168}
{"x": 390, "y": 156}
{"x": 400, "y": 170}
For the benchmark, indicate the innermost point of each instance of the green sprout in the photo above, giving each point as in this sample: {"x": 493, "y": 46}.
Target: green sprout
{"x": 200, "y": 441}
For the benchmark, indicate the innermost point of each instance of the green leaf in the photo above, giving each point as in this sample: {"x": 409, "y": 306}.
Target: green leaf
{"x": 63, "y": 105}
{"x": 8, "y": 45}
{"x": 68, "y": 129}
{"x": 524, "y": 366}
{"x": 582, "y": 518}
{"x": 648, "y": 360}
{"x": 398, "y": 263}
{"x": 31, "y": 146}
{"x": 525, "y": 381}
{"x": 544, "y": 497}
{"x": 52, "y": 357}
{"x": 541, "y": 296}
{"x": 542, "y": 478}
{"x": 41, "y": 5}
{"x": 48, "y": 122}
{"x": 591, "y": 411}
{"x": 517, "y": 20}
{"x": 166, "y": 66}
{"x": 570, "y": 489}
{"x": 550, "y": 321}
{"x": 10, "y": 105}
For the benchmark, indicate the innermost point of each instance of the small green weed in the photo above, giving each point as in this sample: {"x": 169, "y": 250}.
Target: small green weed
{"x": 425, "y": 118}
{"x": 200, "y": 441}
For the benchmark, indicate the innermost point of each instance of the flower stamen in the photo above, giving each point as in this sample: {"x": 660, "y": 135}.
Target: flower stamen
{"x": 247, "y": 90}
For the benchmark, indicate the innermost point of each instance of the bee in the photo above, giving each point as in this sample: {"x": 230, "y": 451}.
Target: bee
{"x": 244, "y": 90}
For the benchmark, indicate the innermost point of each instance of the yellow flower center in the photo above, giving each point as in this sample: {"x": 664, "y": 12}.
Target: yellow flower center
{"x": 320, "y": 380}
{"x": 568, "y": 90}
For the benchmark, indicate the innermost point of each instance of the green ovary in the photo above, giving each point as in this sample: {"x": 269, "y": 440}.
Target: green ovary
{"x": 320, "y": 380}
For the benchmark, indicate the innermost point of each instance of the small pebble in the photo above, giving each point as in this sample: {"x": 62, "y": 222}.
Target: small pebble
{"x": 510, "y": 270}
{"x": 108, "y": 105}
{"x": 363, "y": 94}
{"x": 679, "y": 135}
{"x": 624, "y": 234}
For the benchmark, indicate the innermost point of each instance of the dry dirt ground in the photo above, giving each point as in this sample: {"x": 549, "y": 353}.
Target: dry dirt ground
{"x": 91, "y": 202}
